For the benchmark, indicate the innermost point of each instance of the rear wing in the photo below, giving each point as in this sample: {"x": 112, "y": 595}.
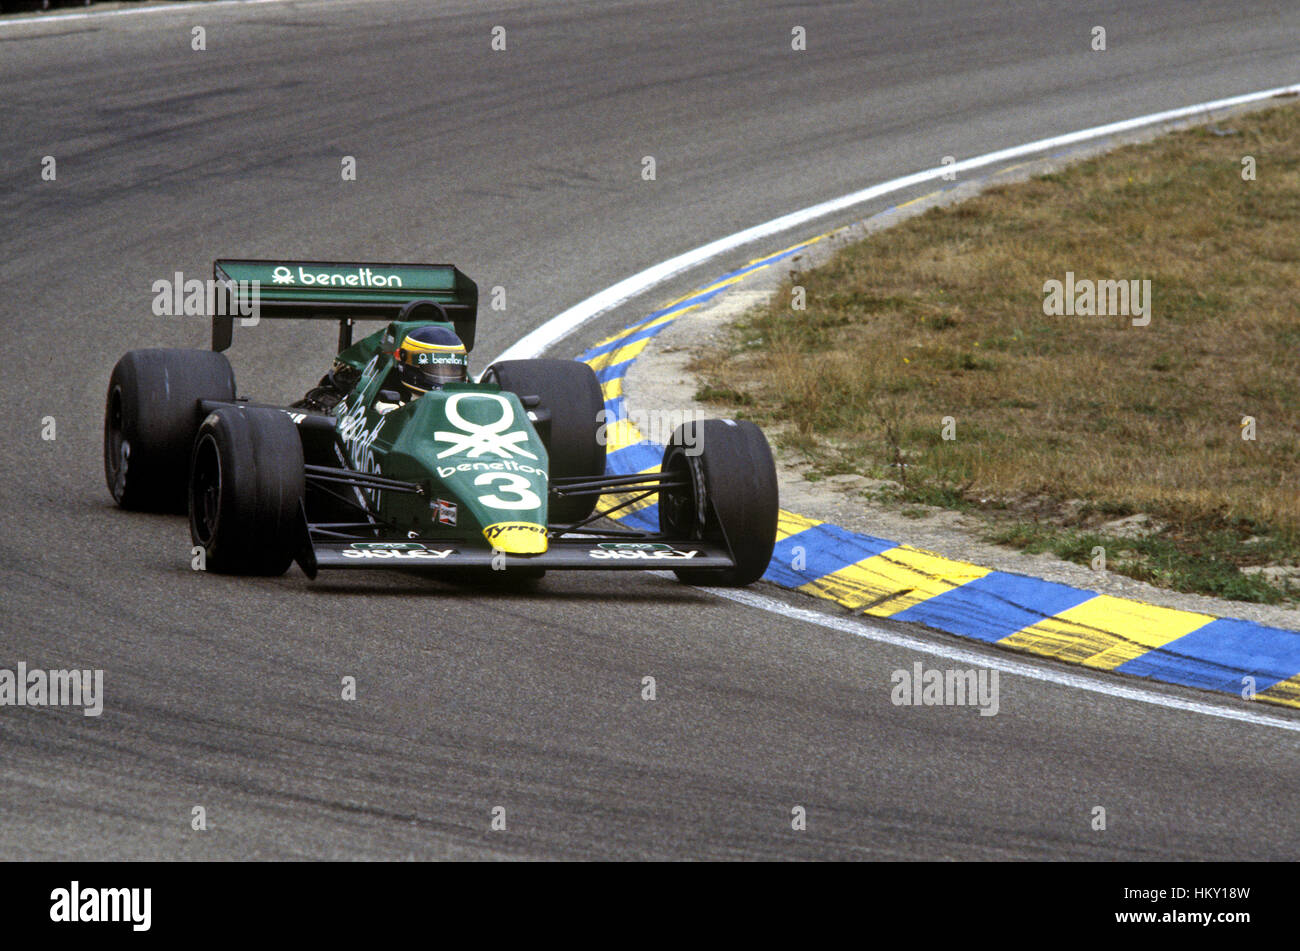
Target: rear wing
{"x": 342, "y": 291}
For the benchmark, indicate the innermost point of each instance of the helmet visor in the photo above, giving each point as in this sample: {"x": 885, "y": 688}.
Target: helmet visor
{"x": 430, "y": 370}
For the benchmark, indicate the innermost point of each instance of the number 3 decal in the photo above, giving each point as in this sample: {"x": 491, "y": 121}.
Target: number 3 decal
{"x": 525, "y": 497}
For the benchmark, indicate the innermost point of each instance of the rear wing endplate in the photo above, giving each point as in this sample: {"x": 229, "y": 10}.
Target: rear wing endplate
{"x": 342, "y": 291}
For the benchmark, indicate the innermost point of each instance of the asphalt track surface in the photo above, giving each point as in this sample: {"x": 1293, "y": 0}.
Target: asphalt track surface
{"x": 523, "y": 167}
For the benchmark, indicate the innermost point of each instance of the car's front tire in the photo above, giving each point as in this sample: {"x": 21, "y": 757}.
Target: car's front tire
{"x": 246, "y": 490}
{"x": 730, "y": 497}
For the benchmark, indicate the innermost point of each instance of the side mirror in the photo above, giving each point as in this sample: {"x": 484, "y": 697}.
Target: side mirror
{"x": 390, "y": 396}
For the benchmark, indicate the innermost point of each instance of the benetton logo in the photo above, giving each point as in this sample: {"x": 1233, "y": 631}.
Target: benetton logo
{"x": 361, "y": 277}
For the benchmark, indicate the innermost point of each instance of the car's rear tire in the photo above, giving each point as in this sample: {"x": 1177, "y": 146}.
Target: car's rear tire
{"x": 731, "y": 497}
{"x": 568, "y": 390}
{"x": 150, "y": 416}
{"x": 246, "y": 489}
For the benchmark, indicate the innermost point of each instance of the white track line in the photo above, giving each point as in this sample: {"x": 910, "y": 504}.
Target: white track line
{"x": 197, "y": 7}
{"x": 853, "y": 625}
{"x": 563, "y": 324}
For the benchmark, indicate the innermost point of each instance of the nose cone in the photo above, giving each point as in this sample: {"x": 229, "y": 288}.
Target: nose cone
{"x": 517, "y": 538}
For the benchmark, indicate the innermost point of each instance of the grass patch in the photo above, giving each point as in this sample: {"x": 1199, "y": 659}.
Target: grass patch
{"x": 1181, "y": 563}
{"x": 940, "y": 321}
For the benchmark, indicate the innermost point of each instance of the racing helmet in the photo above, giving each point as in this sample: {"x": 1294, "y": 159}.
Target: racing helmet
{"x": 429, "y": 358}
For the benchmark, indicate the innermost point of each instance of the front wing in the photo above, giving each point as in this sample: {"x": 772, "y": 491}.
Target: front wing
{"x": 578, "y": 547}
{"x": 587, "y": 553}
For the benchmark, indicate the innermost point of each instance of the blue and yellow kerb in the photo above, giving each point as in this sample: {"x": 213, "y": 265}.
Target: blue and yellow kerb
{"x": 882, "y": 578}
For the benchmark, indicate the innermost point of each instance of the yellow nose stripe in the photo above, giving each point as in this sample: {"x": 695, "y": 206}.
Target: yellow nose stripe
{"x": 517, "y": 538}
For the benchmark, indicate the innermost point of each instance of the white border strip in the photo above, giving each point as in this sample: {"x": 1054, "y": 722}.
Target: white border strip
{"x": 564, "y": 323}
{"x": 194, "y": 6}
{"x": 994, "y": 662}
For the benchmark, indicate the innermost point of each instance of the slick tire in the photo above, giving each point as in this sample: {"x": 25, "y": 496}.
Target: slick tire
{"x": 568, "y": 391}
{"x": 730, "y": 497}
{"x": 246, "y": 490}
{"x": 150, "y": 416}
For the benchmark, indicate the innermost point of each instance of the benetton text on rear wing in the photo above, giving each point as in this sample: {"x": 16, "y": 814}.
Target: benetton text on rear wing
{"x": 345, "y": 291}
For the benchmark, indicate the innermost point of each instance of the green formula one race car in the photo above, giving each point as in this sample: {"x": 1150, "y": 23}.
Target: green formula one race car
{"x": 396, "y": 459}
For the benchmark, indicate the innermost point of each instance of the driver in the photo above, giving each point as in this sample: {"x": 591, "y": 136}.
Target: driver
{"x": 429, "y": 358}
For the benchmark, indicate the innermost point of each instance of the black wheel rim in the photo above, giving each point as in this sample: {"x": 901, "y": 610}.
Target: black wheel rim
{"x": 680, "y": 506}
{"x": 115, "y": 445}
{"x": 205, "y": 490}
